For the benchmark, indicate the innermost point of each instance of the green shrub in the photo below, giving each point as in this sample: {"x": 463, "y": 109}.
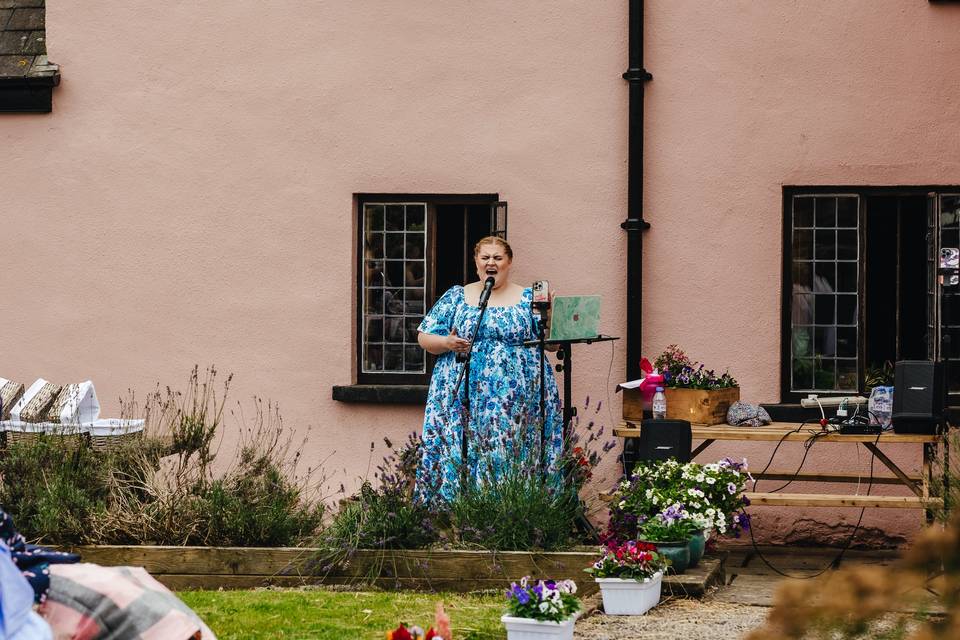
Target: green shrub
{"x": 380, "y": 518}
{"x": 258, "y": 504}
{"x": 386, "y": 516}
{"x": 53, "y": 492}
{"x": 162, "y": 489}
{"x": 516, "y": 512}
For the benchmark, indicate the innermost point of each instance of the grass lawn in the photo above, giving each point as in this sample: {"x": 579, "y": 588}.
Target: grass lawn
{"x": 323, "y": 614}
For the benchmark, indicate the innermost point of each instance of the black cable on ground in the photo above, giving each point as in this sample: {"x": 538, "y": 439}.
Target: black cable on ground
{"x": 836, "y": 560}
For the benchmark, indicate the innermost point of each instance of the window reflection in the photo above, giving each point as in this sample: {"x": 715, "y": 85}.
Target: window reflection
{"x": 394, "y": 281}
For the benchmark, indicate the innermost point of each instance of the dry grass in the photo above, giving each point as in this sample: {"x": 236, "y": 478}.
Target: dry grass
{"x": 851, "y": 603}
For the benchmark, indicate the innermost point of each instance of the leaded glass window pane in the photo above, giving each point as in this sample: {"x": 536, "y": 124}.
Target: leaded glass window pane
{"x": 950, "y": 288}
{"x": 394, "y": 286}
{"x": 824, "y": 320}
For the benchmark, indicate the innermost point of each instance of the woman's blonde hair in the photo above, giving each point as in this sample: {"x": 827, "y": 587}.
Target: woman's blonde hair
{"x": 497, "y": 240}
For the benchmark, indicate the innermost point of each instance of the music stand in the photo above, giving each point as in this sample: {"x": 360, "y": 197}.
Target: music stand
{"x": 565, "y": 353}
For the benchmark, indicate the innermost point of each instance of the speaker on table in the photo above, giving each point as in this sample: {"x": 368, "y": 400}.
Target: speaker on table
{"x": 659, "y": 440}
{"x": 919, "y": 396}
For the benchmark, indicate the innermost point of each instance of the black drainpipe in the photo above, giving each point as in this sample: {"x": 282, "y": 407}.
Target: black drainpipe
{"x": 635, "y": 225}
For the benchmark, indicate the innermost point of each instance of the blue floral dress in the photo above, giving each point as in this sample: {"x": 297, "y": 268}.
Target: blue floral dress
{"x": 504, "y": 423}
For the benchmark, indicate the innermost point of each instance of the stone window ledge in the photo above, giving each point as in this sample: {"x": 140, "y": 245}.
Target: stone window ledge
{"x": 381, "y": 393}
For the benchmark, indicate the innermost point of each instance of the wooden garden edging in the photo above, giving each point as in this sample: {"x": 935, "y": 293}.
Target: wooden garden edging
{"x": 429, "y": 570}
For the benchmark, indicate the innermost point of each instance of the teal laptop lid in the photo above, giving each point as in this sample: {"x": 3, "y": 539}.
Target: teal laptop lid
{"x": 575, "y": 317}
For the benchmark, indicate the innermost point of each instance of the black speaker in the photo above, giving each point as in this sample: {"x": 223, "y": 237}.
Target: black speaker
{"x": 919, "y": 396}
{"x": 659, "y": 440}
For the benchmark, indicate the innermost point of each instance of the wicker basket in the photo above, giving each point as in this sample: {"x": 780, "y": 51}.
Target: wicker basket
{"x": 10, "y": 393}
{"x": 35, "y": 402}
{"x": 69, "y": 437}
{"x": 110, "y": 435}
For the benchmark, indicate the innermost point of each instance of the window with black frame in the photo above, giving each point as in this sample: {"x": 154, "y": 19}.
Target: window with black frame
{"x": 411, "y": 248}
{"x": 825, "y": 277}
{"x": 861, "y": 289}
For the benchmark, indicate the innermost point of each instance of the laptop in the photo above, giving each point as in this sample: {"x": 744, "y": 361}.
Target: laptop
{"x": 575, "y": 318}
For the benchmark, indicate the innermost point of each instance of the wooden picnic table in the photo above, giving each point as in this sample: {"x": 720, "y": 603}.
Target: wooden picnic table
{"x": 920, "y": 486}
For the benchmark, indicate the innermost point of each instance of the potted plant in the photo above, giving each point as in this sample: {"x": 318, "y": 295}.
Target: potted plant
{"x": 695, "y": 393}
{"x": 670, "y": 531}
{"x": 630, "y": 576}
{"x": 711, "y": 495}
{"x": 545, "y": 610}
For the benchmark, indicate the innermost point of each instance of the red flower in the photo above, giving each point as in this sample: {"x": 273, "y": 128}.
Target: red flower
{"x": 400, "y": 633}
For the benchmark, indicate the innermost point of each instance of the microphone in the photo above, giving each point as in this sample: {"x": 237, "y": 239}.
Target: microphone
{"x": 487, "y": 288}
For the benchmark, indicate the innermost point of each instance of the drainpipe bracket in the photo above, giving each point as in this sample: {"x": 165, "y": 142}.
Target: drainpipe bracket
{"x": 637, "y": 74}
{"x": 635, "y": 224}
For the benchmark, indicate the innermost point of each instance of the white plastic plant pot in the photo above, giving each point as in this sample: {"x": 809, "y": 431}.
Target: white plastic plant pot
{"x": 530, "y": 629}
{"x": 630, "y": 597}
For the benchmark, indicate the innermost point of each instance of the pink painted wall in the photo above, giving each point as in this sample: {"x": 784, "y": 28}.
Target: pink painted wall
{"x": 748, "y": 97}
{"x": 189, "y": 200}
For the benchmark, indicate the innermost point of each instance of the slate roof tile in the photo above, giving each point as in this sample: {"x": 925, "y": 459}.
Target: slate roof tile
{"x": 15, "y": 65}
{"x": 16, "y": 4}
{"x": 32, "y": 18}
{"x": 23, "y": 40}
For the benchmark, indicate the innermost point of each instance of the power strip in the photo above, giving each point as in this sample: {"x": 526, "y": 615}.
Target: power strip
{"x": 860, "y": 429}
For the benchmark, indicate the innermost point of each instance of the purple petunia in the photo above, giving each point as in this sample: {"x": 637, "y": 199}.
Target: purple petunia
{"x": 731, "y": 488}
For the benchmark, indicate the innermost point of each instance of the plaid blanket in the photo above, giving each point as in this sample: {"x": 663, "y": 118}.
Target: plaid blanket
{"x": 90, "y": 602}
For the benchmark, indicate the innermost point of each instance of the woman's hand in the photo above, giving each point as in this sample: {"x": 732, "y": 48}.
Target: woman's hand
{"x": 438, "y": 345}
{"x": 455, "y": 343}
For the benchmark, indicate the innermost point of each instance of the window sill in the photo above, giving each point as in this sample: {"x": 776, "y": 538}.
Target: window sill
{"x": 381, "y": 393}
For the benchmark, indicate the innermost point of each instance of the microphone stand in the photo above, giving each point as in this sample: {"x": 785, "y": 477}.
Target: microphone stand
{"x": 464, "y": 376}
{"x": 542, "y": 346}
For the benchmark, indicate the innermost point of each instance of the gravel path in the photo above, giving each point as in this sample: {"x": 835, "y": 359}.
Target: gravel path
{"x": 676, "y": 618}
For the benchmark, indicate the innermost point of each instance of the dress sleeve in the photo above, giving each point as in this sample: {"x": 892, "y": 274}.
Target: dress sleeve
{"x": 439, "y": 321}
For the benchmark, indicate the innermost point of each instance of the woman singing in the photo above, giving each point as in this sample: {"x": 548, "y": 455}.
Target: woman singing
{"x": 504, "y": 383}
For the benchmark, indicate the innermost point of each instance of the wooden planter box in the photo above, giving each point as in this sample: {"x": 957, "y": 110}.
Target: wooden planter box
{"x": 426, "y": 570}
{"x": 697, "y": 406}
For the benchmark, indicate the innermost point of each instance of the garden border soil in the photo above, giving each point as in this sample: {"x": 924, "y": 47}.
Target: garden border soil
{"x": 429, "y": 570}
